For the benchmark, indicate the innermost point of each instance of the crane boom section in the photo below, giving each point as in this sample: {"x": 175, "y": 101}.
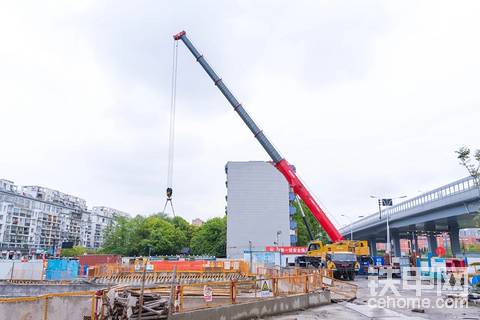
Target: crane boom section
{"x": 280, "y": 163}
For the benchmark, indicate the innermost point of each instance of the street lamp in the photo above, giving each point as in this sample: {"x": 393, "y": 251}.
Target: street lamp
{"x": 383, "y": 201}
{"x": 351, "y": 227}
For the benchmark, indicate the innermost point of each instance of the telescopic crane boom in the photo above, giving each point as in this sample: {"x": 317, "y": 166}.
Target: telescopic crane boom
{"x": 280, "y": 163}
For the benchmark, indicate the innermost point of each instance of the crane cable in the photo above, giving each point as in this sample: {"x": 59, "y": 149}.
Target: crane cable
{"x": 171, "y": 138}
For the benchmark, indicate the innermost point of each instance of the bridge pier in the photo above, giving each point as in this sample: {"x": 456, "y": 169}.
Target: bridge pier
{"x": 453, "y": 231}
{"x": 414, "y": 238}
{"x": 396, "y": 243}
{"x": 372, "y": 243}
{"x": 432, "y": 242}
{"x": 414, "y": 243}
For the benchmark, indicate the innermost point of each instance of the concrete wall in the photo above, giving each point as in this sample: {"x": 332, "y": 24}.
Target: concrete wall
{"x": 262, "y": 308}
{"x": 58, "y": 308}
{"x": 68, "y": 307}
{"x": 31, "y": 270}
{"x": 10, "y": 290}
{"x": 257, "y": 207}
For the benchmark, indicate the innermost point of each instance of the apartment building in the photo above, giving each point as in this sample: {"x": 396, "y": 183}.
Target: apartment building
{"x": 99, "y": 219}
{"x": 36, "y": 219}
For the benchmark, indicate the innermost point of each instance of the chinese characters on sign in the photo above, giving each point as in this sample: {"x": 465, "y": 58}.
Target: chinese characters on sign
{"x": 286, "y": 250}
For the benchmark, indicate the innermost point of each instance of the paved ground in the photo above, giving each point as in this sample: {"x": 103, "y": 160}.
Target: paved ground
{"x": 362, "y": 307}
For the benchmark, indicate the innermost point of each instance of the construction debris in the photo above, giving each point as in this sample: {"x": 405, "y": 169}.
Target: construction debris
{"x": 123, "y": 304}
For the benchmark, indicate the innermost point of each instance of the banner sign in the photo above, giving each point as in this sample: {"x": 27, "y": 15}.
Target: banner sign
{"x": 286, "y": 250}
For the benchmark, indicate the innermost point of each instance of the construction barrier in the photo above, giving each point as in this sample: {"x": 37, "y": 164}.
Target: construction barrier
{"x": 223, "y": 266}
{"x": 179, "y": 265}
{"x": 18, "y": 270}
{"x": 62, "y": 269}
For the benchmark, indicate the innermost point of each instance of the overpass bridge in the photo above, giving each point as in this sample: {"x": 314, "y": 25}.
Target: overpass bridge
{"x": 445, "y": 209}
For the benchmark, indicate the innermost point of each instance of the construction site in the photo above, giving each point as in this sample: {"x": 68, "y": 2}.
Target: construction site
{"x": 276, "y": 253}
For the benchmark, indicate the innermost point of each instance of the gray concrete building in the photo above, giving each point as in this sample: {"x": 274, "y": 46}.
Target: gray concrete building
{"x": 259, "y": 211}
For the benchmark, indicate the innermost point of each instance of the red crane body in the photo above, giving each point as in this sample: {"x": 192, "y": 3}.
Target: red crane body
{"x": 280, "y": 163}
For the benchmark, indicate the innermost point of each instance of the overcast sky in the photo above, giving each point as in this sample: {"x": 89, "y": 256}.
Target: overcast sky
{"x": 364, "y": 97}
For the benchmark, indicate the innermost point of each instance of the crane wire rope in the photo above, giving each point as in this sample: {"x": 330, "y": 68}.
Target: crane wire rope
{"x": 171, "y": 138}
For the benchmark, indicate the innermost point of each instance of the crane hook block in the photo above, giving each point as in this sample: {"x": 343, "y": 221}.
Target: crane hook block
{"x": 179, "y": 35}
{"x": 169, "y": 193}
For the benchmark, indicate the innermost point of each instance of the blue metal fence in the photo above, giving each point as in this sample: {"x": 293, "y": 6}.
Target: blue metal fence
{"x": 62, "y": 269}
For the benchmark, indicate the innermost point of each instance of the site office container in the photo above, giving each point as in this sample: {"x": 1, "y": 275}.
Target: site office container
{"x": 96, "y": 259}
{"x": 91, "y": 260}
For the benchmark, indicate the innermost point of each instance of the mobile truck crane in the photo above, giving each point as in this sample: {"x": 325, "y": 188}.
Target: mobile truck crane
{"x": 320, "y": 251}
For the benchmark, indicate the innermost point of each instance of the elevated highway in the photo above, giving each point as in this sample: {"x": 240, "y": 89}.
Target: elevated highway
{"x": 445, "y": 209}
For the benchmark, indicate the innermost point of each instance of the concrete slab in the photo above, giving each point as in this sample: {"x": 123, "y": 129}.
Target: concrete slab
{"x": 331, "y": 311}
{"x": 376, "y": 312}
{"x": 258, "y": 309}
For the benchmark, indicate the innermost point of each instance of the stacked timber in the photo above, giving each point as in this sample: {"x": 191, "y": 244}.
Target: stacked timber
{"x": 125, "y": 304}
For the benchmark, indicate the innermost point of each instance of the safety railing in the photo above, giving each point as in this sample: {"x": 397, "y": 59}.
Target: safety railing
{"x": 447, "y": 191}
{"x": 204, "y": 295}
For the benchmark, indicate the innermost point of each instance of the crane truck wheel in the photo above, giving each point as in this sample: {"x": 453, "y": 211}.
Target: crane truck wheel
{"x": 351, "y": 276}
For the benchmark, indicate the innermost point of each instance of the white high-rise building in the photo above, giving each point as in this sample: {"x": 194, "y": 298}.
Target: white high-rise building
{"x": 259, "y": 211}
{"x": 35, "y": 219}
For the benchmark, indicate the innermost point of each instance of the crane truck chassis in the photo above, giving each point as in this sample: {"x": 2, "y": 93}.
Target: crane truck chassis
{"x": 340, "y": 259}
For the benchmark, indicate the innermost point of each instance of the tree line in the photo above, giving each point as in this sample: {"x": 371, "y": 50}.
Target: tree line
{"x": 159, "y": 234}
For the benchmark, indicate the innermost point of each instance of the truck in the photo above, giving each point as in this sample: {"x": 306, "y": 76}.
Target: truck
{"x": 343, "y": 265}
{"x": 340, "y": 258}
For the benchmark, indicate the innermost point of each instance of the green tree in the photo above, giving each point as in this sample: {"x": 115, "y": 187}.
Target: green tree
{"x": 471, "y": 162}
{"x": 116, "y": 237}
{"x": 302, "y": 234}
{"x": 162, "y": 237}
{"x": 183, "y": 226}
{"x": 75, "y": 251}
{"x": 140, "y": 235}
{"x": 210, "y": 238}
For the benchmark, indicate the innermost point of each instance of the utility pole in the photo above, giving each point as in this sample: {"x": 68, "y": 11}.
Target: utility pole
{"x": 251, "y": 254}
{"x": 382, "y": 201}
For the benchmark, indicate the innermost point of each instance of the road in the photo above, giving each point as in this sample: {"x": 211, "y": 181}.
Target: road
{"x": 401, "y": 308}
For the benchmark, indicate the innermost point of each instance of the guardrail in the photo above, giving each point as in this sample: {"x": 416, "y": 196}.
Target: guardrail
{"x": 193, "y": 296}
{"x": 447, "y": 191}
